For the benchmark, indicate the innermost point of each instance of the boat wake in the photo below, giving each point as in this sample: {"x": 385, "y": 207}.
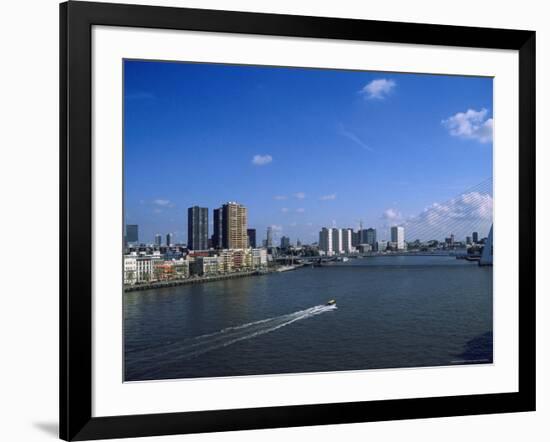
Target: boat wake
{"x": 192, "y": 347}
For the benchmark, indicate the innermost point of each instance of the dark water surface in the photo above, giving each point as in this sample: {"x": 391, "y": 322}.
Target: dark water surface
{"x": 392, "y": 312}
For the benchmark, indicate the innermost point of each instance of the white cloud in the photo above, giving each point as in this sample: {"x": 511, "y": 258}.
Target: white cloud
{"x": 300, "y": 210}
{"x": 378, "y": 89}
{"x": 280, "y": 197}
{"x": 276, "y": 227}
{"x": 300, "y": 195}
{"x": 163, "y": 203}
{"x": 471, "y": 124}
{"x": 329, "y": 197}
{"x": 391, "y": 215}
{"x": 261, "y": 160}
{"x": 284, "y": 209}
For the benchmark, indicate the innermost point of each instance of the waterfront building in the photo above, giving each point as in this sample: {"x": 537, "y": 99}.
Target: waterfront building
{"x": 242, "y": 259}
{"x": 226, "y": 261}
{"x": 469, "y": 240}
{"x": 347, "y": 237}
{"x": 365, "y": 248}
{"x": 381, "y": 245}
{"x": 337, "y": 241}
{"x": 181, "y": 268}
{"x": 132, "y": 233}
{"x": 168, "y": 239}
{"x": 298, "y": 243}
{"x": 259, "y": 258}
{"x": 325, "y": 241}
{"x": 207, "y": 265}
{"x": 285, "y": 242}
{"x": 144, "y": 267}
{"x": 234, "y": 226}
{"x": 163, "y": 270}
{"x": 197, "y": 228}
{"x": 138, "y": 268}
{"x": 251, "y": 233}
{"x": 398, "y": 237}
{"x": 217, "y": 236}
{"x": 369, "y": 236}
{"x": 158, "y": 240}
{"x": 475, "y": 237}
{"x": 269, "y": 240}
{"x": 130, "y": 269}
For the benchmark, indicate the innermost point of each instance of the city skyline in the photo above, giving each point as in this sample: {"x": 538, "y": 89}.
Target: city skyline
{"x": 300, "y": 148}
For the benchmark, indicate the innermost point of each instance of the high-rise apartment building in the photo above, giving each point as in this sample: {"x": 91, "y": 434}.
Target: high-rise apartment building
{"x": 347, "y": 240}
{"x": 475, "y": 237}
{"x": 369, "y": 237}
{"x": 398, "y": 237}
{"x": 217, "y": 236}
{"x": 158, "y": 240}
{"x": 197, "y": 228}
{"x": 337, "y": 241}
{"x": 251, "y": 233}
{"x": 168, "y": 239}
{"x": 285, "y": 242}
{"x": 234, "y": 226}
{"x": 132, "y": 233}
{"x": 269, "y": 238}
{"x": 325, "y": 241}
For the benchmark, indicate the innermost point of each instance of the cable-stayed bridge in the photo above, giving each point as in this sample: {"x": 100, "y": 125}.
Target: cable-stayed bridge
{"x": 443, "y": 227}
{"x": 468, "y": 212}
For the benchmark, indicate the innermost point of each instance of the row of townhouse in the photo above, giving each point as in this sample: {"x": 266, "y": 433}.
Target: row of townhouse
{"x": 154, "y": 268}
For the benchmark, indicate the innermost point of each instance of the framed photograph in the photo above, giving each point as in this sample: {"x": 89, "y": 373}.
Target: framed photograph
{"x": 272, "y": 221}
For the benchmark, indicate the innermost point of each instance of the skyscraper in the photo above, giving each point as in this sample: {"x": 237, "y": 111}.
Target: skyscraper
{"x": 217, "y": 237}
{"x": 132, "y": 233}
{"x": 168, "y": 239}
{"x": 234, "y": 226}
{"x": 369, "y": 237}
{"x": 285, "y": 242}
{"x": 197, "y": 228}
{"x": 398, "y": 236}
{"x": 475, "y": 237}
{"x": 158, "y": 240}
{"x": 269, "y": 238}
{"x": 347, "y": 237}
{"x": 337, "y": 240}
{"x": 325, "y": 241}
{"x": 251, "y": 233}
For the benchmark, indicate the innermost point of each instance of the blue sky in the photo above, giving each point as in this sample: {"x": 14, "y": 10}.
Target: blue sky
{"x": 301, "y": 148}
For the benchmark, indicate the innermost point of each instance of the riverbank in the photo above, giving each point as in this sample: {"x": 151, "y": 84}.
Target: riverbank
{"x": 196, "y": 280}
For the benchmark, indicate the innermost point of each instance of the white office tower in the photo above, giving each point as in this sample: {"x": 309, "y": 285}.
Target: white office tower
{"x": 325, "y": 241}
{"x": 398, "y": 237}
{"x": 347, "y": 237}
{"x": 337, "y": 241}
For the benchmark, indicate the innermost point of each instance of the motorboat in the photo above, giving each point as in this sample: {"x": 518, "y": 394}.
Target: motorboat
{"x": 331, "y": 302}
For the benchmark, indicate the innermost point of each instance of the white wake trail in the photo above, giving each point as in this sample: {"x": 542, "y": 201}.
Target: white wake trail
{"x": 199, "y": 345}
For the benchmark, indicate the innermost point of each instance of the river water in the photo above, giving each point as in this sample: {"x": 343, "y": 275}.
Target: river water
{"x": 392, "y": 312}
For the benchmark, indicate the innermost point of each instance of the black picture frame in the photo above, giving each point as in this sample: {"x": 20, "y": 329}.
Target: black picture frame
{"x": 76, "y": 21}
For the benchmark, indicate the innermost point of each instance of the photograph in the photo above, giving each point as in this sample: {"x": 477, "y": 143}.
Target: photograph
{"x": 283, "y": 220}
